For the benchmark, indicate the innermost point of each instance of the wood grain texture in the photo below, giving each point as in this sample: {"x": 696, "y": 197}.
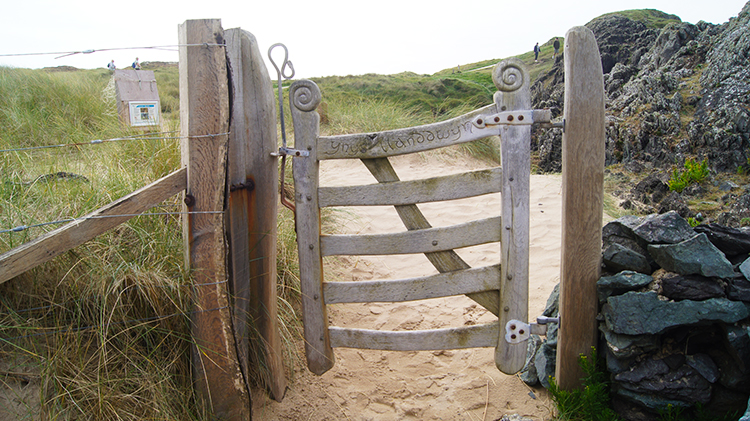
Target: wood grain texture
{"x": 582, "y": 192}
{"x": 514, "y": 274}
{"x": 476, "y": 336}
{"x": 54, "y": 243}
{"x": 428, "y": 240}
{"x": 413, "y": 219}
{"x": 441, "y": 285}
{"x": 204, "y": 110}
{"x": 404, "y": 141}
{"x": 436, "y": 189}
{"x": 252, "y": 183}
{"x": 306, "y": 172}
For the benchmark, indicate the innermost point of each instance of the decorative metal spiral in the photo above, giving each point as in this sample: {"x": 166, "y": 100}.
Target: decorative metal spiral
{"x": 508, "y": 76}
{"x": 305, "y": 95}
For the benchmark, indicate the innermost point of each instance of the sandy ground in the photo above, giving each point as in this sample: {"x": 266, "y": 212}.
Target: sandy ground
{"x": 426, "y": 385}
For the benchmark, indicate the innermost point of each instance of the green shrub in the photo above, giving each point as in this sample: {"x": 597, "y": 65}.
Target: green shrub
{"x": 694, "y": 172}
{"x": 590, "y": 403}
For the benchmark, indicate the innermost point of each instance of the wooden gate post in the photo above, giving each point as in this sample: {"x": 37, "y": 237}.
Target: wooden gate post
{"x": 253, "y": 182}
{"x": 582, "y": 192}
{"x": 204, "y": 117}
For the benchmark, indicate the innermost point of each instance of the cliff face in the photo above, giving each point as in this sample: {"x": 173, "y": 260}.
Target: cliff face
{"x": 679, "y": 92}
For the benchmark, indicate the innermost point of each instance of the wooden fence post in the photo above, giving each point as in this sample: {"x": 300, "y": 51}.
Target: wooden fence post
{"x": 253, "y": 182}
{"x": 582, "y": 192}
{"x": 204, "y": 116}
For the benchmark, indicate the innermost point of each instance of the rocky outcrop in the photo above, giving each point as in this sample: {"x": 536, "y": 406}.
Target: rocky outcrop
{"x": 682, "y": 91}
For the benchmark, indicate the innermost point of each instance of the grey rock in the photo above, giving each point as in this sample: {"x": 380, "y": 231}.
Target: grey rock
{"x": 528, "y": 373}
{"x": 627, "y": 346}
{"x": 638, "y": 313}
{"x": 731, "y": 376}
{"x": 745, "y": 268}
{"x": 704, "y": 365}
{"x": 656, "y": 377}
{"x": 621, "y": 283}
{"x": 694, "y": 256}
{"x": 553, "y": 303}
{"x": 691, "y": 287}
{"x": 746, "y": 417}
{"x": 731, "y": 241}
{"x": 619, "y": 258}
{"x": 545, "y": 363}
{"x": 667, "y": 228}
{"x": 738, "y": 289}
{"x": 738, "y": 344}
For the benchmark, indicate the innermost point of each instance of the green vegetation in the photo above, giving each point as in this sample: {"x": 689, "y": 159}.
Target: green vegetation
{"x": 653, "y": 19}
{"x": 591, "y": 403}
{"x": 694, "y": 172}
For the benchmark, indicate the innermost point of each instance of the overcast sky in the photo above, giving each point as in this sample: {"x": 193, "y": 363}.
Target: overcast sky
{"x": 324, "y": 37}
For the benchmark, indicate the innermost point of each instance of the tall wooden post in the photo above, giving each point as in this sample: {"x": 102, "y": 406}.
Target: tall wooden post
{"x": 204, "y": 116}
{"x": 253, "y": 182}
{"x": 583, "y": 177}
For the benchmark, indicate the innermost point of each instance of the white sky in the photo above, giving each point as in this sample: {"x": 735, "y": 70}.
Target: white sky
{"x": 324, "y": 37}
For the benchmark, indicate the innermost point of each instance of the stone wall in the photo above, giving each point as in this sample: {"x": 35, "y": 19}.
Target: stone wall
{"x": 674, "y": 318}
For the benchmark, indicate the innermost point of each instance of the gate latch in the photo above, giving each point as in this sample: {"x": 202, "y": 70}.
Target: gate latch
{"x": 517, "y": 331}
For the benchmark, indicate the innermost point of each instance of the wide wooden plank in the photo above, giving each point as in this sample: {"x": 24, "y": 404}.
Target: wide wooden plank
{"x": 582, "y": 193}
{"x": 304, "y": 97}
{"x": 514, "y": 93}
{"x": 413, "y": 219}
{"x": 253, "y": 183}
{"x": 441, "y": 285}
{"x": 472, "y": 233}
{"x": 204, "y": 122}
{"x": 54, "y": 243}
{"x": 476, "y": 336}
{"x": 456, "y": 186}
{"x": 404, "y": 141}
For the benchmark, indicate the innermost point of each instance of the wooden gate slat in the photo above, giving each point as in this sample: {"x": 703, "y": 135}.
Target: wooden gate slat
{"x": 441, "y": 285}
{"x": 436, "y": 189}
{"x": 419, "y": 241}
{"x": 476, "y": 336}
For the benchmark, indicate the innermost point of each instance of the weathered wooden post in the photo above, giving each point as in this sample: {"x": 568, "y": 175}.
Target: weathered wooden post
{"x": 253, "y": 184}
{"x": 583, "y": 176}
{"x": 204, "y": 115}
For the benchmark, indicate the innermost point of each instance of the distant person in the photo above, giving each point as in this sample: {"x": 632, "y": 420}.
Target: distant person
{"x": 136, "y": 64}
{"x": 556, "y": 44}
{"x": 111, "y": 65}
{"x": 536, "y": 52}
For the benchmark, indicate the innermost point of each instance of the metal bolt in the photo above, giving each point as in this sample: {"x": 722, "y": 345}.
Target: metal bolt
{"x": 434, "y": 242}
{"x": 507, "y": 227}
{"x": 311, "y": 246}
{"x": 315, "y": 297}
{"x": 497, "y": 119}
{"x": 512, "y": 327}
{"x": 503, "y": 108}
{"x": 513, "y": 336}
{"x": 309, "y": 198}
{"x": 510, "y": 118}
{"x": 510, "y": 178}
{"x": 189, "y": 200}
{"x": 480, "y": 121}
{"x": 510, "y": 276}
{"x": 520, "y": 118}
{"x": 506, "y": 308}
{"x": 521, "y": 331}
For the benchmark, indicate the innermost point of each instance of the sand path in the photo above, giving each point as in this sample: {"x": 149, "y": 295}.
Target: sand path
{"x": 426, "y": 385}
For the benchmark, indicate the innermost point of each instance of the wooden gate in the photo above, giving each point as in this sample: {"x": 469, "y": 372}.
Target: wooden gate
{"x": 502, "y": 289}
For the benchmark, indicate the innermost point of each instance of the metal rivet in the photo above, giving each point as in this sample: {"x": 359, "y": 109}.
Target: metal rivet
{"x": 506, "y": 309}
{"x": 321, "y": 339}
{"x": 311, "y": 246}
{"x": 513, "y": 336}
{"x": 480, "y": 121}
{"x": 503, "y": 108}
{"x": 520, "y": 118}
{"x": 309, "y": 198}
{"x": 507, "y": 227}
{"x": 510, "y": 179}
{"x": 434, "y": 242}
{"x": 510, "y": 276}
{"x": 521, "y": 331}
{"x": 315, "y": 297}
{"x": 510, "y": 118}
{"x": 189, "y": 200}
{"x": 309, "y": 148}
{"x": 497, "y": 119}
{"x": 512, "y": 327}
